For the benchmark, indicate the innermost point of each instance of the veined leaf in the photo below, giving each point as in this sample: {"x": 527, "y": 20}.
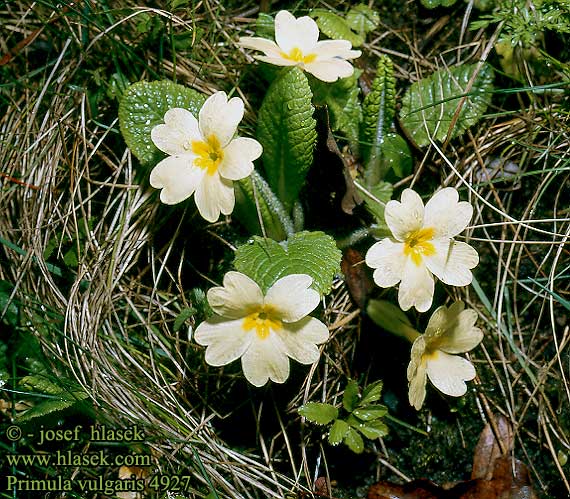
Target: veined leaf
{"x": 287, "y": 132}
{"x": 338, "y": 431}
{"x": 341, "y": 98}
{"x": 354, "y": 441}
{"x": 429, "y": 104}
{"x": 312, "y": 253}
{"x": 362, "y": 19}
{"x": 370, "y": 412}
{"x": 370, "y": 429}
{"x": 336, "y": 27}
{"x": 52, "y": 405}
{"x": 378, "y": 112}
{"x": 318, "y": 412}
{"x": 372, "y": 393}
{"x": 144, "y": 105}
{"x": 350, "y": 397}
{"x": 253, "y": 193}
{"x": 265, "y": 26}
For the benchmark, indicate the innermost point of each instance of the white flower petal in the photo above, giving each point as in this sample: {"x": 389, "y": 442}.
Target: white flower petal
{"x": 329, "y": 70}
{"x": 177, "y": 177}
{"x": 452, "y": 261}
{"x": 220, "y": 117}
{"x": 266, "y": 359}
{"x": 239, "y": 155}
{"x": 292, "y": 297}
{"x": 405, "y": 216}
{"x": 446, "y": 214}
{"x": 268, "y": 47}
{"x": 290, "y": 32}
{"x": 226, "y": 341}
{"x": 214, "y": 195}
{"x": 448, "y": 373}
{"x": 328, "y": 49}
{"x": 416, "y": 288}
{"x": 277, "y": 61}
{"x": 417, "y": 385}
{"x": 175, "y": 135}
{"x": 238, "y": 297}
{"x": 301, "y": 338}
{"x": 388, "y": 258}
{"x": 461, "y": 334}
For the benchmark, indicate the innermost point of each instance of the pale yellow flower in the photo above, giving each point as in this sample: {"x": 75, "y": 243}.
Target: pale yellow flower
{"x": 296, "y": 44}
{"x": 204, "y": 157}
{"x": 422, "y": 246}
{"x": 264, "y": 331}
{"x": 449, "y": 331}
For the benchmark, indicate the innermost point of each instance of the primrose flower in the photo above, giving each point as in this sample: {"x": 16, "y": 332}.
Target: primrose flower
{"x": 449, "y": 331}
{"x": 264, "y": 331}
{"x": 422, "y": 246}
{"x": 296, "y": 44}
{"x": 204, "y": 157}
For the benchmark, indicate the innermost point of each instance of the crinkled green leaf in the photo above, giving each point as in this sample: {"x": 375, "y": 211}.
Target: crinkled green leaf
{"x": 371, "y": 393}
{"x": 354, "y": 441}
{"x": 336, "y": 27}
{"x": 350, "y": 397}
{"x": 370, "y": 412}
{"x": 371, "y": 429}
{"x": 391, "y": 318}
{"x": 382, "y": 193}
{"x": 362, "y": 19}
{"x": 342, "y": 100}
{"x": 287, "y": 131}
{"x": 318, "y": 412}
{"x": 63, "y": 401}
{"x": 378, "y": 111}
{"x": 41, "y": 384}
{"x": 265, "y": 26}
{"x": 396, "y": 158}
{"x": 253, "y": 193}
{"x": 144, "y": 105}
{"x": 312, "y": 253}
{"x": 429, "y": 104}
{"x": 338, "y": 431}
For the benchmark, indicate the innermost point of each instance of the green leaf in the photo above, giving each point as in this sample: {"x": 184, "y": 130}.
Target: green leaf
{"x": 70, "y": 257}
{"x": 287, "y": 132}
{"x": 338, "y": 431}
{"x": 354, "y": 441}
{"x": 11, "y": 315}
{"x": 41, "y": 384}
{"x": 389, "y": 317}
{"x": 382, "y": 193}
{"x": 144, "y": 105}
{"x": 350, "y": 397}
{"x": 379, "y": 109}
{"x": 342, "y": 100}
{"x": 335, "y": 27}
{"x": 372, "y": 393}
{"x": 434, "y": 4}
{"x": 182, "y": 317}
{"x": 265, "y": 26}
{"x": 52, "y": 405}
{"x": 312, "y": 253}
{"x": 276, "y": 221}
{"x": 429, "y": 105}
{"x": 318, "y": 412}
{"x": 370, "y": 412}
{"x": 362, "y": 19}
{"x": 372, "y": 429}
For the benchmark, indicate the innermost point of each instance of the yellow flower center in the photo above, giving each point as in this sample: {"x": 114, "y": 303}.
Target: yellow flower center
{"x": 209, "y": 152}
{"x": 296, "y": 55}
{"x": 263, "y": 320}
{"x": 418, "y": 243}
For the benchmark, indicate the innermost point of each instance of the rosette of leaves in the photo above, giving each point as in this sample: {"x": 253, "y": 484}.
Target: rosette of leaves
{"x": 360, "y": 416}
